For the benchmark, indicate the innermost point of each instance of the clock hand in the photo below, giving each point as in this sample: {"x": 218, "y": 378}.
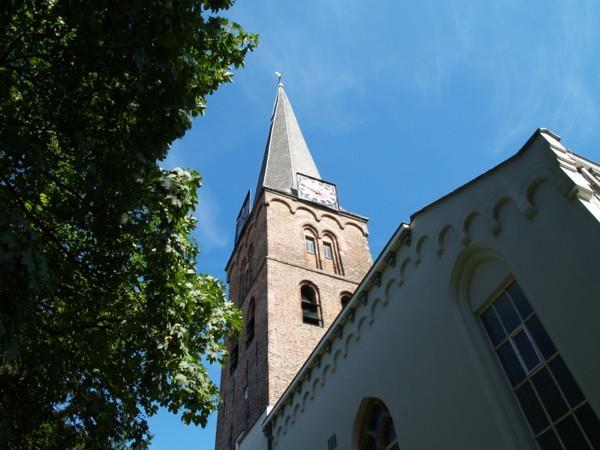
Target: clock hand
{"x": 318, "y": 192}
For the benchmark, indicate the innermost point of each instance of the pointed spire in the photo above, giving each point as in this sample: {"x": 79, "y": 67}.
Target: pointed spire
{"x": 286, "y": 153}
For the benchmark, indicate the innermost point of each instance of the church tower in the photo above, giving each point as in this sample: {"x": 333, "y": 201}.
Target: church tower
{"x": 297, "y": 258}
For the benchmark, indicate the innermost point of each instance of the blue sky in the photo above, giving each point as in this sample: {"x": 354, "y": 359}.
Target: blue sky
{"x": 400, "y": 102}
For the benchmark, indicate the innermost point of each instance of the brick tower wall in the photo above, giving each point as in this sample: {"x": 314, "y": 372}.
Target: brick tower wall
{"x": 290, "y": 341}
{"x": 240, "y": 408}
{"x": 275, "y": 239}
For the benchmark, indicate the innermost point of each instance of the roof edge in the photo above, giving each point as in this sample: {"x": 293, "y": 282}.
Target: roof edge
{"x": 540, "y": 132}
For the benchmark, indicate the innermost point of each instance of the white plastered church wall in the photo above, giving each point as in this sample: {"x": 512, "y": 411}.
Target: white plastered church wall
{"x": 415, "y": 342}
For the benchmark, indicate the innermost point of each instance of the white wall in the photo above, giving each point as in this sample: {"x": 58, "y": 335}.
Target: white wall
{"x": 255, "y": 439}
{"x": 417, "y": 344}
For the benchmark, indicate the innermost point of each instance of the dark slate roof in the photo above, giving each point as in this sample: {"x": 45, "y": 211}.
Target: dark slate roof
{"x": 286, "y": 153}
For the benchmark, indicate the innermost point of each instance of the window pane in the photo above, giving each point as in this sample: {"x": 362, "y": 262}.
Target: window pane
{"x": 532, "y": 408}
{"x": 327, "y": 250}
{"x": 549, "y": 393}
{"x": 549, "y": 441}
{"x": 376, "y": 417}
{"x": 526, "y": 350}
{"x": 508, "y": 314}
{"x": 540, "y": 337}
{"x": 590, "y": 423}
{"x": 389, "y": 433}
{"x": 313, "y": 314}
{"x": 492, "y": 326}
{"x": 519, "y": 299}
{"x": 310, "y": 245}
{"x": 566, "y": 381}
{"x": 511, "y": 363}
{"x": 571, "y": 435}
{"x": 368, "y": 443}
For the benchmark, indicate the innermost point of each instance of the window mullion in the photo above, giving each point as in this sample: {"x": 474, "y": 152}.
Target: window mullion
{"x": 547, "y": 383}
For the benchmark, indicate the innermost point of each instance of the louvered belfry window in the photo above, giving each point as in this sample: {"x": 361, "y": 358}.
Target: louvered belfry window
{"x": 311, "y": 309}
{"x": 558, "y": 414}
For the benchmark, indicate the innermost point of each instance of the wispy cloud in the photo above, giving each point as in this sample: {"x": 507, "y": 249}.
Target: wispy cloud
{"x": 544, "y": 82}
{"x": 521, "y": 67}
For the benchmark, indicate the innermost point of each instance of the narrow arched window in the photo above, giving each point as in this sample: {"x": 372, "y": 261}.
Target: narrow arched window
{"x": 377, "y": 430}
{"x": 327, "y": 250}
{"x": 310, "y": 244}
{"x": 311, "y": 309}
{"x": 331, "y": 255}
{"x": 250, "y": 322}
{"x": 311, "y": 248}
{"x": 345, "y": 299}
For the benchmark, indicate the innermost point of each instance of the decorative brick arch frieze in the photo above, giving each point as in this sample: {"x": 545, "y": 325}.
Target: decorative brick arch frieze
{"x": 361, "y": 229}
{"x": 278, "y": 200}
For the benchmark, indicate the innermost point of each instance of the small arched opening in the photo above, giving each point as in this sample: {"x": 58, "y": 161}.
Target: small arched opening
{"x": 311, "y": 307}
{"x": 345, "y": 299}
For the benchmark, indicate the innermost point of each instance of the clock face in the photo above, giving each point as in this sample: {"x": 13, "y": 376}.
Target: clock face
{"x": 317, "y": 191}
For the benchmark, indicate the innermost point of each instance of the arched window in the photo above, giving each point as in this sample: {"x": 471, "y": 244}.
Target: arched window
{"x": 250, "y": 322}
{"x": 311, "y": 309}
{"x": 311, "y": 248}
{"x": 554, "y": 405}
{"x": 345, "y": 298}
{"x": 331, "y": 255}
{"x": 377, "y": 430}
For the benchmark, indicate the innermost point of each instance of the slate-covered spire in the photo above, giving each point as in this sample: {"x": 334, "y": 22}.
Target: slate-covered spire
{"x": 286, "y": 153}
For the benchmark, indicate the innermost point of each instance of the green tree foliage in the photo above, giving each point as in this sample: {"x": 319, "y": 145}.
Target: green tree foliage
{"x": 102, "y": 315}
